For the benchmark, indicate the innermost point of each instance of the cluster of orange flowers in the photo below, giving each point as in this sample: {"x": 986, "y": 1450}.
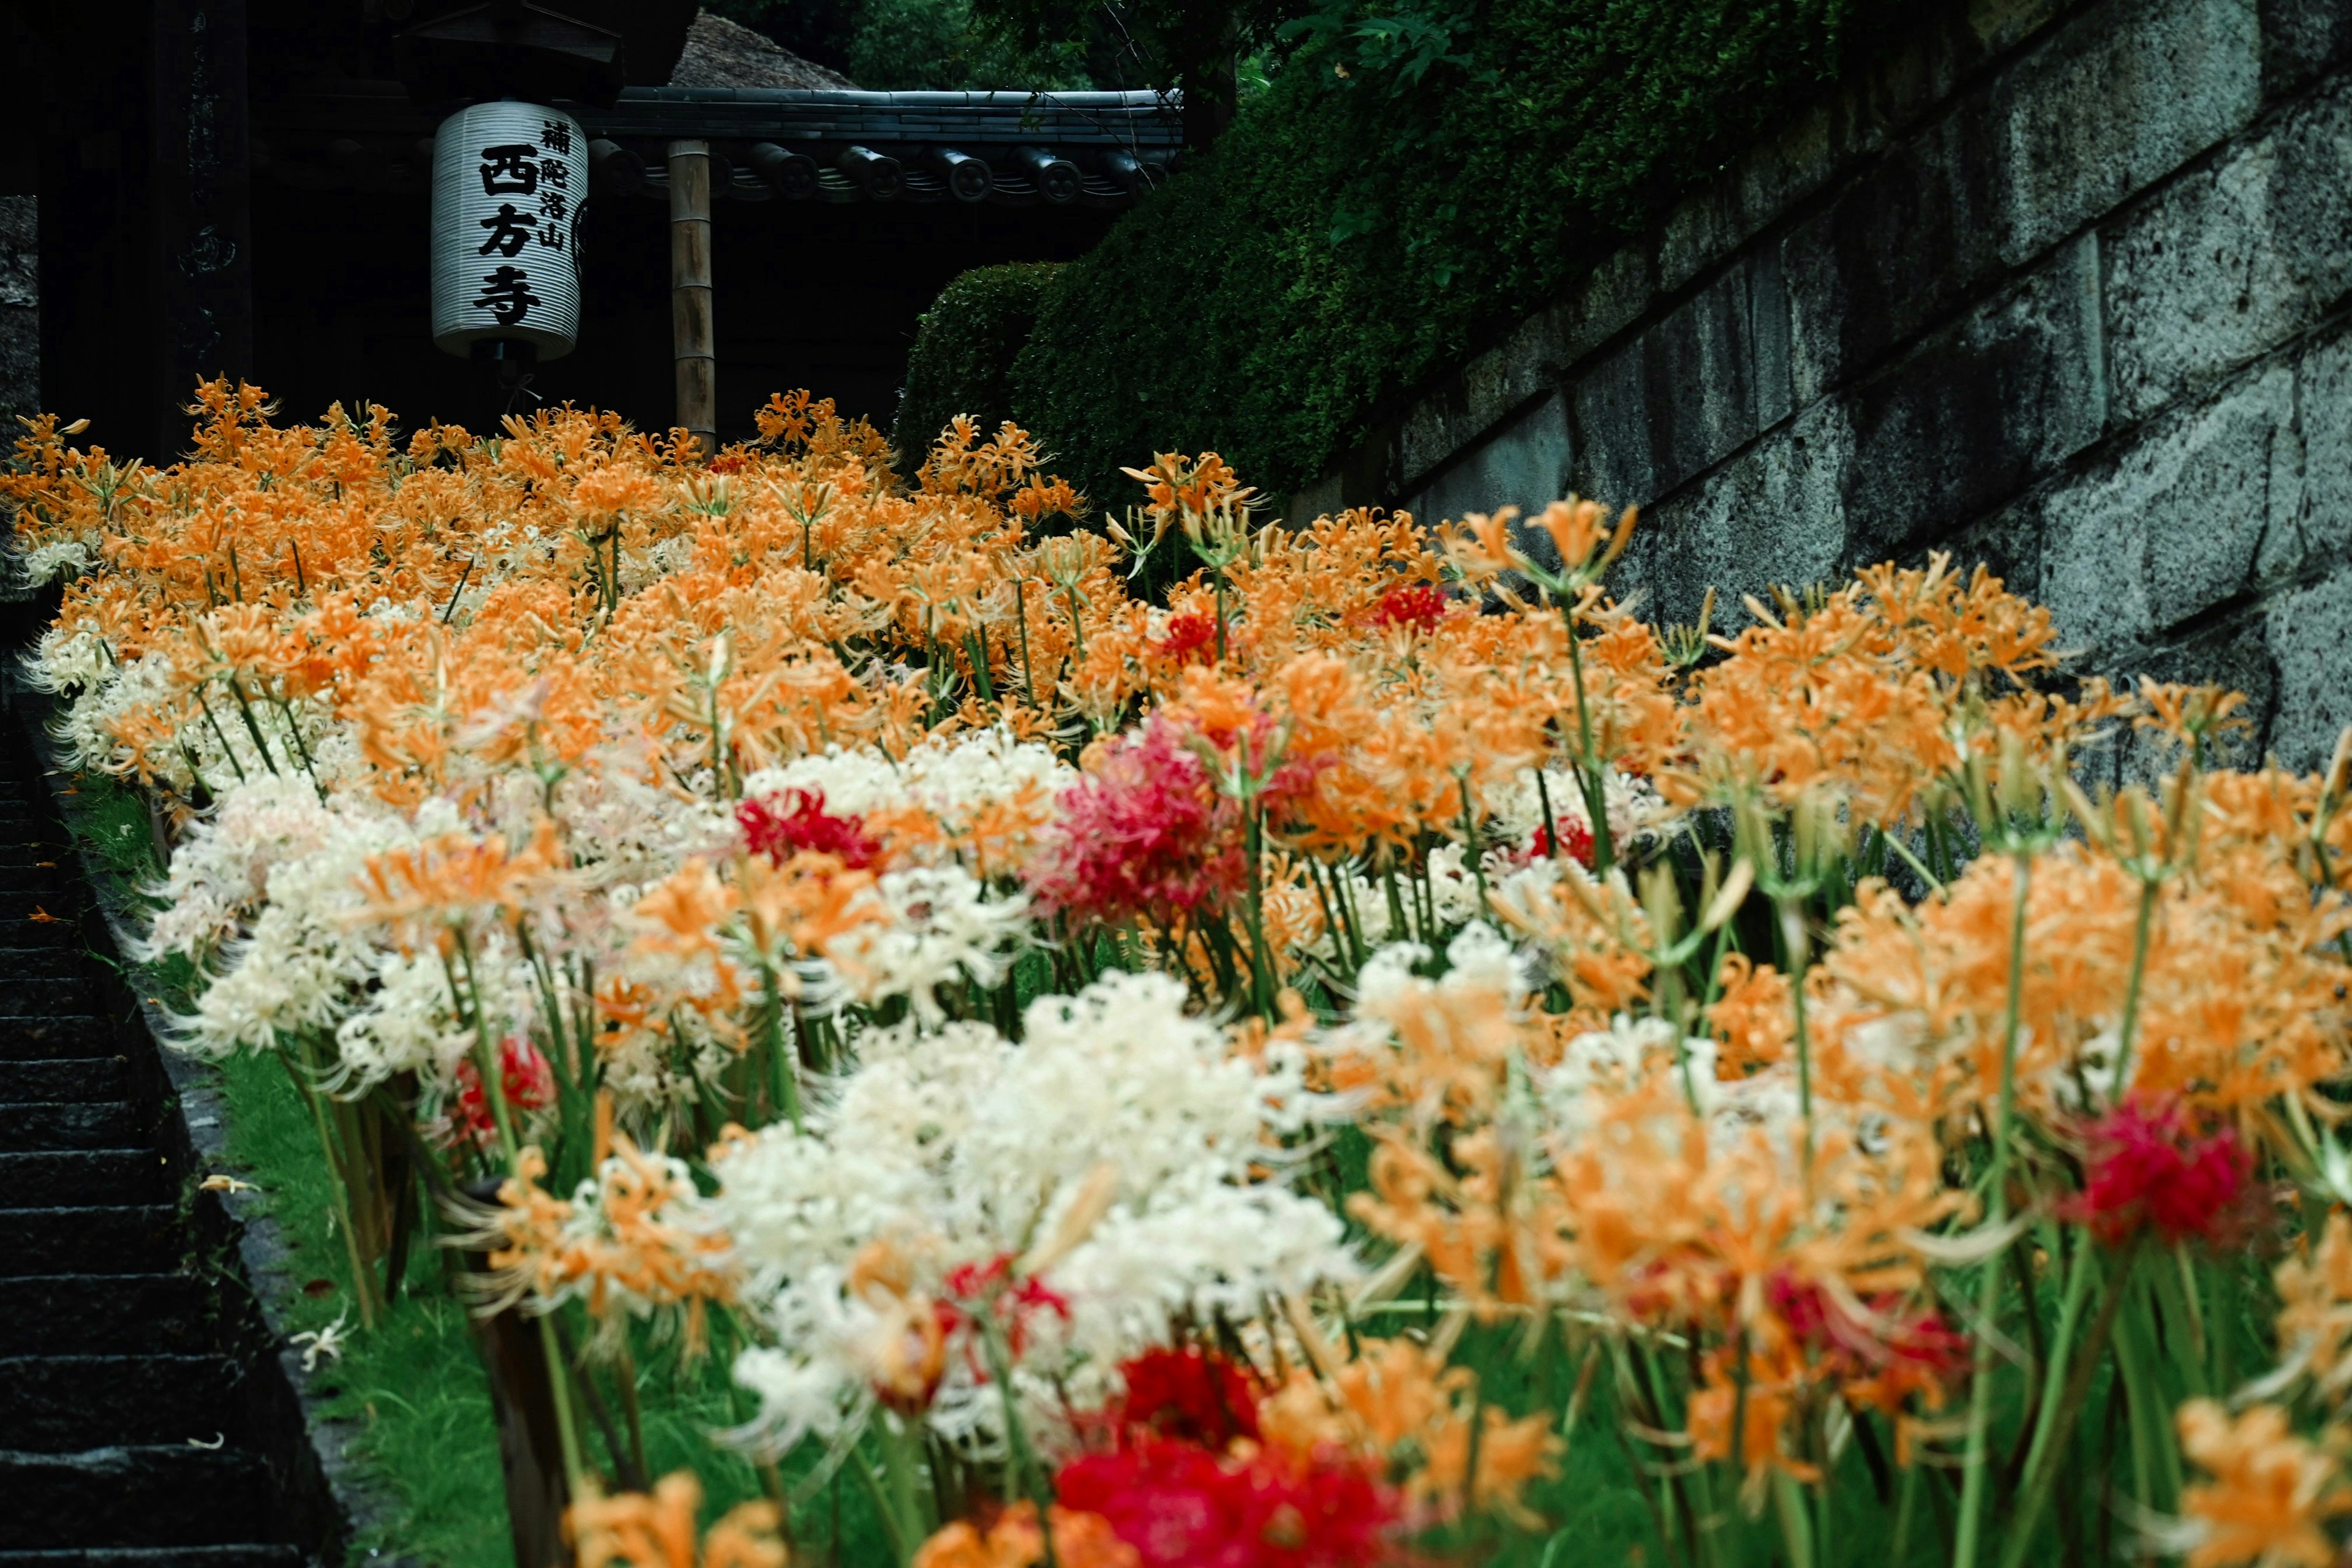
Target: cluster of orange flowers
{"x": 1732, "y": 1007}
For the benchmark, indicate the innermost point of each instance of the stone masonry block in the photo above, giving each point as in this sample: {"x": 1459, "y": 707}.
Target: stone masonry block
{"x": 2234, "y": 654}
{"x": 2306, "y": 631}
{"x": 1900, "y": 89}
{"x": 1771, "y": 515}
{"x": 2324, "y": 408}
{"x": 2003, "y": 24}
{"x": 1605, "y": 304}
{"x": 1525, "y": 464}
{"x": 1689, "y": 391}
{"x": 2009, "y": 544}
{"x": 1894, "y": 253}
{"x": 2300, "y": 38}
{"x": 2124, "y": 93}
{"x": 1506, "y": 377}
{"x": 20, "y": 322}
{"x": 2232, "y": 260}
{"x": 1610, "y": 419}
{"x": 2176, "y": 523}
{"x": 1978, "y": 412}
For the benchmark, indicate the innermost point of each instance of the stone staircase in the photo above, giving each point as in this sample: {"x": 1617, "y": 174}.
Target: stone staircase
{"x": 135, "y": 1423}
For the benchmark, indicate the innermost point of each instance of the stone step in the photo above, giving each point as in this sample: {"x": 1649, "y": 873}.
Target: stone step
{"x": 58, "y": 932}
{"x": 66, "y": 1404}
{"x": 68, "y": 1179}
{"x": 52, "y": 1039}
{"x": 152, "y": 1497}
{"x": 102, "y": 1314}
{"x": 38, "y": 866}
{"x": 31, "y": 903}
{"x": 64, "y": 1077}
{"x": 55, "y": 1124}
{"x": 57, "y": 960}
{"x": 101, "y": 1238}
{"x": 47, "y": 996}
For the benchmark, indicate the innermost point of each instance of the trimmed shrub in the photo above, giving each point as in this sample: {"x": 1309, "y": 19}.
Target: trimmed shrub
{"x": 962, "y": 359}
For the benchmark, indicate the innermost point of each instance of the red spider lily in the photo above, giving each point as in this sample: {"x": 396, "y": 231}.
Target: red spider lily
{"x": 1921, "y": 1340}
{"x": 1180, "y": 1506}
{"x": 1420, "y": 605}
{"x": 1192, "y": 638}
{"x": 2149, "y": 1169}
{"x": 1575, "y": 841}
{"x": 1186, "y": 1395}
{"x": 523, "y": 1073}
{"x": 990, "y": 1291}
{"x": 782, "y": 826}
{"x": 1147, "y": 834}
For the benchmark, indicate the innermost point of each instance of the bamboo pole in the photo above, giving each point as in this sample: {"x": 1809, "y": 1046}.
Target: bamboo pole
{"x": 693, "y": 333}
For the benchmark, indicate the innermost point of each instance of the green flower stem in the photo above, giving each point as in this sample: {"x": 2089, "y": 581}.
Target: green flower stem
{"x": 1907, "y": 1505}
{"x": 1588, "y": 771}
{"x": 2129, "y": 1031}
{"x": 1021, "y": 615}
{"x": 2156, "y": 1457}
{"x": 1470, "y": 849}
{"x": 783, "y": 1079}
{"x": 486, "y": 1058}
{"x": 1794, "y": 958}
{"x": 567, "y": 1430}
{"x": 1796, "y": 1527}
{"x": 252, "y": 725}
{"x": 220, "y": 734}
{"x": 339, "y": 1180}
{"x": 1399, "y": 929}
{"x": 1975, "y": 1470}
{"x": 2058, "y": 1416}
{"x": 1027, "y": 1471}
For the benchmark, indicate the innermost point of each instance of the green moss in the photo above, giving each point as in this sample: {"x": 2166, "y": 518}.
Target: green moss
{"x": 962, "y": 359}
{"x": 1353, "y": 234}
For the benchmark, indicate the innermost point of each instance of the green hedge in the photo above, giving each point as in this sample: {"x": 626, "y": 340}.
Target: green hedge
{"x": 962, "y": 359}
{"x": 1354, "y": 233}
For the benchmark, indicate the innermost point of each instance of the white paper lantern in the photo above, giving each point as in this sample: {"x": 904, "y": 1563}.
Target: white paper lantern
{"x": 509, "y": 181}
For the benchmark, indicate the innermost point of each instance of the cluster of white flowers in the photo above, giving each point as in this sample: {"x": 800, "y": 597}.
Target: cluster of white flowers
{"x": 59, "y": 558}
{"x": 1121, "y": 1152}
{"x": 938, "y": 925}
{"x": 1518, "y": 808}
{"x": 954, "y": 779}
{"x": 220, "y": 869}
{"x": 303, "y": 964}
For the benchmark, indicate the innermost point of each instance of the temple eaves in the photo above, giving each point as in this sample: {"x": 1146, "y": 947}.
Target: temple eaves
{"x": 1010, "y": 148}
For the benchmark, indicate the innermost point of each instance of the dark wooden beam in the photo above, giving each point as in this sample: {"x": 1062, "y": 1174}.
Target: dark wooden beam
{"x": 200, "y": 198}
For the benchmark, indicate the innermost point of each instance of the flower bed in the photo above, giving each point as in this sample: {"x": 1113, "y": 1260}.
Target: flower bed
{"x": 1285, "y": 1076}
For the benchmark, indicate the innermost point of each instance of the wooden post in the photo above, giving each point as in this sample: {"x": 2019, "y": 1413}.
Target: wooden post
{"x": 692, "y": 333}
{"x": 200, "y": 185}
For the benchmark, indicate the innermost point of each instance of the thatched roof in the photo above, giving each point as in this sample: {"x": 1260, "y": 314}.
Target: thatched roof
{"x": 720, "y": 53}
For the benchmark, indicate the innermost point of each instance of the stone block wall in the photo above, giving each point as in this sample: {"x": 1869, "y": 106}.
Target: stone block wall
{"x": 20, "y": 324}
{"x": 2065, "y": 288}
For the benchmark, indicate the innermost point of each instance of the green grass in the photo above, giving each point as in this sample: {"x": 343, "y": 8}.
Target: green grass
{"x": 414, "y": 1386}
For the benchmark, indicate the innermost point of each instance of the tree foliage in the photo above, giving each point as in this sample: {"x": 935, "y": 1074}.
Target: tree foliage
{"x": 962, "y": 358}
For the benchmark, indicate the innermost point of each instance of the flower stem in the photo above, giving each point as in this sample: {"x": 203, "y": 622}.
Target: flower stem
{"x": 1596, "y": 796}
{"x": 2129, "y": 1030}
{"x": 1975, "y": 1470}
